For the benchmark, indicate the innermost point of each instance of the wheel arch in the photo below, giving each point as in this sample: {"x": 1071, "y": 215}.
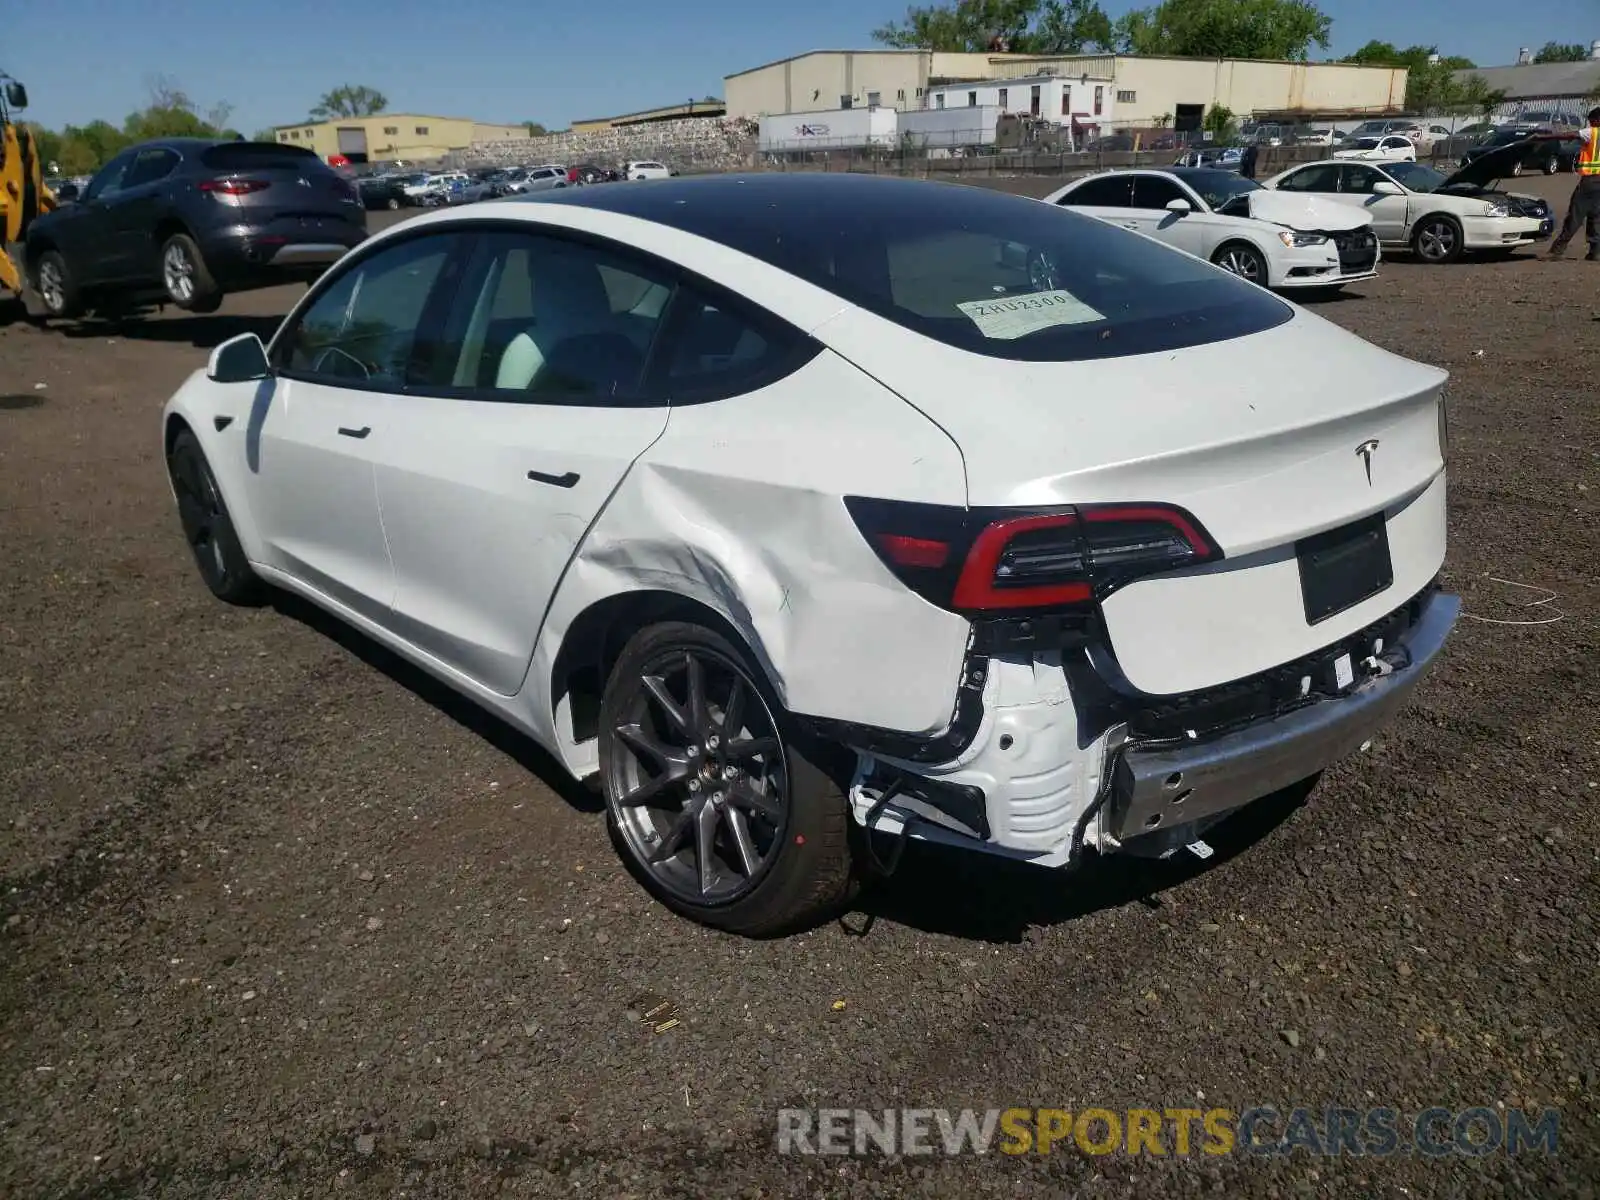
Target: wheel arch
{"x": 168, "y": 226}
{"x": 1238, "y": 237}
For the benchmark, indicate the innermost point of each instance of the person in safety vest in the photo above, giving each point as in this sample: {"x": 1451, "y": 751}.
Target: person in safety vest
{"x": 1584, "y": 207}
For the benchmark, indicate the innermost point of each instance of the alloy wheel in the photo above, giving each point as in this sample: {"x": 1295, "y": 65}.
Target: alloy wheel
{"x": 52, "y": 287}
{"x": 696, "y": 778}
{"x": 1436, "y": 240}
{"x": 1242, "y": 263}
{"x": 200, "y": 512}
{"x": 177, "y": 272}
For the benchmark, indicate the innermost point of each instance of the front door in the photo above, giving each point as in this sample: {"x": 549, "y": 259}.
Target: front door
{"x": 1389, "y": 213}
{"x": 83, "y": 230}
{"x": 135, "y": 210}
{"x": 1151, "y": 195}
{"x": 333, "y": 409}
{"x": 534, "y": 410}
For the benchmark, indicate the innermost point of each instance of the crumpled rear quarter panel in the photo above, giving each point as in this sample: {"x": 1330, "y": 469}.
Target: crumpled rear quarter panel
{"x": 739, "y": 505}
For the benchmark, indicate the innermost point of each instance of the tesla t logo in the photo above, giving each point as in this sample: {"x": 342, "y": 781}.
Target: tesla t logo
{"x": 1364, "y": 451}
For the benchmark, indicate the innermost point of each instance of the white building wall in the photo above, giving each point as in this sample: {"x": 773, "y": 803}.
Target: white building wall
{"x": 1092, "y": 102}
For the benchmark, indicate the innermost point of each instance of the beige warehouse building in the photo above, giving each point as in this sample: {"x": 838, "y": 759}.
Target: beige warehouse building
{"x": 390, "y": 136}
{"x": 1143, "y": 89}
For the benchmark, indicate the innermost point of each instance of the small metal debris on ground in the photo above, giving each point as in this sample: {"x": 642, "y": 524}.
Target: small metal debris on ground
{"x": 660, "y": 1014}
{"x": 838, "y": 1006}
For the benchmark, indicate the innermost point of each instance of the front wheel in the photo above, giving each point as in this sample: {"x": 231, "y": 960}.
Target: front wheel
{"x": 1246, "y": 262}
{"x": 394, "y": 203}
{"x": 710, "y": 795}
{"x": 1437, "y": 240}
{"x": 184, "y": 274}
{"x": 1552, "y": 165}
{"x": 207, "y": 527}
{"x": 57, "y": 289}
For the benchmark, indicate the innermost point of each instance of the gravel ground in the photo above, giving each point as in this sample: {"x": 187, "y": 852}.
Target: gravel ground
{"x": 280, "y": 918}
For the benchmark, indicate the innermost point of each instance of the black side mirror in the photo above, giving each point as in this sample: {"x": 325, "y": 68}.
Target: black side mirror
{"x": 16, "y": 95}
{"x": 240, "y": 359}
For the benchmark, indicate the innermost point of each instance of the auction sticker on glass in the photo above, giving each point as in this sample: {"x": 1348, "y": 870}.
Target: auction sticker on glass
{"x": 1018, "y": 316}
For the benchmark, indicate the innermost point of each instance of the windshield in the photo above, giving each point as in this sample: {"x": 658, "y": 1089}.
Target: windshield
{"x": 997, "y": 275}
{"x": 1416, "y": 176}
{"x": 1216, "y": 188}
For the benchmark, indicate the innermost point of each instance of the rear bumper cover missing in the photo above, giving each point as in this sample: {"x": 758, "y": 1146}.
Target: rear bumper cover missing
{"x": 1154, "y": 789}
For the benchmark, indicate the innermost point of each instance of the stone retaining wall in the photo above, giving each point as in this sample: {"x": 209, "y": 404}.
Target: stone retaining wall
{"x": 691, "y": 144}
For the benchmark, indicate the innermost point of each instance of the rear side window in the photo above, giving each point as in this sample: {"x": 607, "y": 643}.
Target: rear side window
{"x": 1109, "y": 191}
{"x": 257, "y": 156}
{"x": 716, "y": 347}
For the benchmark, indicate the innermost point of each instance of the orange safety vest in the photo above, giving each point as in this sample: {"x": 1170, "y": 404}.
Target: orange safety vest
{"x": 1589, "y": 154}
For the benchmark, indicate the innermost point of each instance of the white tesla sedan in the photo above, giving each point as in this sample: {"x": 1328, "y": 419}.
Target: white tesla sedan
{"x": 1436, "y": 216}
{"x": 784, "y": 504}
{"x": 1275, "y": 240}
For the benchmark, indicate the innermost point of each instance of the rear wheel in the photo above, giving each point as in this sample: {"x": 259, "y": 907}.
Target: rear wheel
{"x": 1552, "y": 164}
{"x": 1516, "y": 168}
{"x": 58, "y": 291}
{"x": 1246, "y": 262}
{"x": 207, "y": 527}
{"x": 709, "y": 792}
{"x": 185, "y": 276}
{"x": 1437, "y": 239}
{"x": 394, "y": 203}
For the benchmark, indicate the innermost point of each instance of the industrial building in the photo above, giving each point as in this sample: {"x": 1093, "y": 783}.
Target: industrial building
{"x": 1088, "y": 97}
{"x": 1146, "y": 90}
{"x": 388, "y": 137}
{"x": 1542, "y": 91}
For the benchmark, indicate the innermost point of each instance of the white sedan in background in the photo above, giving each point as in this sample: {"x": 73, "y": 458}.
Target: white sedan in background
{"x": 1391, "y": 147}
{"x": 646, "y": 170}
{"x": 1234, "y": 223}
{"x": 1438, "y": 217}
{"x": 785, "y": 503}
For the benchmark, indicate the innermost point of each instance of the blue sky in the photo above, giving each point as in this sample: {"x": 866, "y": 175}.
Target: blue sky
{"x": 544, "y": 60}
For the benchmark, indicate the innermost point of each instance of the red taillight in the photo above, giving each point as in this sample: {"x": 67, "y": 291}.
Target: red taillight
{"x": 1007, "y": 561}
{"x": 233, "y": 187}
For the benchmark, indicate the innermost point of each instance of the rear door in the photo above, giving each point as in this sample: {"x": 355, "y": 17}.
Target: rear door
{"x": 515, "y": 435}
{"x": 136, "y": 209}
{"x": 1108, "y": 197}
{"x": 284, "y": 191}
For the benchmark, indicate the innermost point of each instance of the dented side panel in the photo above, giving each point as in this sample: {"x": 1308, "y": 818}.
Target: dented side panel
{"x": 739, "y": 506}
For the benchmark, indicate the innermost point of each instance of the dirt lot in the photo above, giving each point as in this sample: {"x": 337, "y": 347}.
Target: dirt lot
{"x": 279, "y": 918}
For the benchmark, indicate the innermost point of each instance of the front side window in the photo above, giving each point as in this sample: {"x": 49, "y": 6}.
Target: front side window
{"x": 108, "y": 180}
{"x": 1359, "y": 180}
{"x": 1156, "y": 191}
{"x": 545, "y": 320}
{"x": 367, "y": 329}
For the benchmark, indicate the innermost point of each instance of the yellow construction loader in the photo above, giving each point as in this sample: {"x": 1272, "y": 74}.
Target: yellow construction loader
{"x": 23, "y": 195}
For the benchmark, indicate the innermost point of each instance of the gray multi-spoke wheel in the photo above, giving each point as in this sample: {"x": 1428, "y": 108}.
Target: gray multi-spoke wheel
{"x": 185, "y": 277}
{"x": 1437, "y": 239}
{"x": 715, "y": 806}
{"x": 53, "y": 282}
{"x": 1244, "y": 261}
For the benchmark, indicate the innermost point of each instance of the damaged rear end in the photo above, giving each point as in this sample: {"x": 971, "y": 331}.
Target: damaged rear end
{"x": 1189, "y": 585}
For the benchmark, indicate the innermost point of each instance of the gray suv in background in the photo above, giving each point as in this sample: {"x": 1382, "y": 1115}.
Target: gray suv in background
{"x": 186, "y": 221}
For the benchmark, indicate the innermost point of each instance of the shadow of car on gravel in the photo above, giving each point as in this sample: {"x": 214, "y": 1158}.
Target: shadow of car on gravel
{"x": 204, "y": 333}
{"x": 984, "y": 898}
{"x": 511, "y": 742}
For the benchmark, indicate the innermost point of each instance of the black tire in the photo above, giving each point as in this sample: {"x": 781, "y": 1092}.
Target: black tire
{"x": 189, "y": 286}
{"x": 207, "y": 527}
{"x": 57, "y": 289}
{"x": 1552, "y": 164}
{"x": 732, "y": 764}
{"x": 1243, "y": 260}
{"x": 1437, "y": 239}
{"x": 1516, "y": 169}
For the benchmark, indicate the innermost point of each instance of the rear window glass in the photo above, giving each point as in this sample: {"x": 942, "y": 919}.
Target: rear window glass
{"x": 993, "y": 274}
{"x": 247, "y": 156}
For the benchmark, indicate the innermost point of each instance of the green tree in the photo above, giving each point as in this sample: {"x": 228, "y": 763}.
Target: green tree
{"x": 1432, "y": 88}
{"x": 1561, "y": 52}
{"x": 349, "y": 100}
{"x": 76, "y": 156}
{"x": 1020, "y": 26}
{"x": 1270, "y": 29}
{"x": 264, "y": 135}
{"x": 535, "y": 129}
{"x": 1220, "y": 123}
{"x": 1476, "y": 97}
